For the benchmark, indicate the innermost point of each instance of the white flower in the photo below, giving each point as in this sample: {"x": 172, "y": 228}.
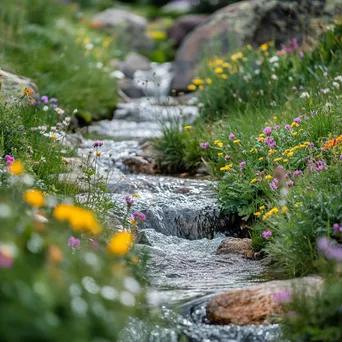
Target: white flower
{"x": 274, "y": 77}
{"x": 325, "y": 74}
{"x": 89, "y": 46}
{"x": 274, "y": 59}
{"x": 325, "y": 91}
{"x": 276, "y": 65}
{"x": 99, "y": 65}
{"x": 67, "y": 119}
{"x": 45, "y": 108}
{"x": 257, "y": 71}
{"x": 305, "y": 95}
{"x": 247, "y": 77}
{"x": 338, "y": 78}
{"x": 336, "y": 85}
{"x": 290, "y": 79}
{"x": 75, "y": 111}
{"x": 59, "y": 111}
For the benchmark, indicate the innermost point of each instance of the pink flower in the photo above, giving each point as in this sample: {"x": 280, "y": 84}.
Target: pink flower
{"x": 45, "y": 99}
{"x": 274, "y": 184}
{"x": 276, "y": 127}
{"x": 288, "y": 127}
{"x": 301, "y": 54}
{"x": 267, "y": 130}
{"x": 336, "y": 226}
{"x": 231, "y": 136}
{"x": 129, "y": 201}
{"x": 297, "y": 173}
{"x": 282, "y": 296}
{"x": 97, "y": 144}
{"x": 297, "y": 120}
{"x": 341, "y": 157}
{"x": 74, "y": 242}
{"x": 138, "y": 216}
{"x": 204, "y": 145}
{"x": 266, "y": 234}
{"x": 6, "y": 261}
{"x": 294, "y": 88}
{"x": 9, "y": 159}
{"x": 242, "y": 164}
{"x": 289, "y": 183}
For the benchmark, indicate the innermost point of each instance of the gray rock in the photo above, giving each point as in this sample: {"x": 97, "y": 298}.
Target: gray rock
{"x": 235, "y": 246}
{"x": 181, "y": 6}
{"x": 134, "y": 62}
{"x": 130, "y": 88}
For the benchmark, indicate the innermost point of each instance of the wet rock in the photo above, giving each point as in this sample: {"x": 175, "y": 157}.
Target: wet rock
{"x": 252, "y": 21}
{"x": 256, "y": 305}
{"x": 235, "y": 246}
{"x": 130, "y": 88}
{"x": 183, "y": 26}
{"x": 12, "y": 87}
{"x": 129, "y": 26}
{"x": 138, "y": 164}
{"x": 134, "y": 62}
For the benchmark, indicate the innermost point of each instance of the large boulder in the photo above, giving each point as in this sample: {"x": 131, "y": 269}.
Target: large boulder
{"x": 261, "y": 304}
{"x": 235, "y": 246}
{"x": 134, "y": 62}
{"x": 129, "y": 26}
{"x": 12, "y": 89}
{"x": 183, "y": 26}
{"x": 248, "y": 22}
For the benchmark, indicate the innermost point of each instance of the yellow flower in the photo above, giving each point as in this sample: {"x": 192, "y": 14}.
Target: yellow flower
{"x": 218, "y": 70}
{"x": 187, "y": 127}
{"x": 257, "y": 214}
{"x": 236, "y": 141}
{"x": 249, "y": 47}
{"x": 136, "y": 195}
{"x": 226, "y": 168}
{"x": 53, "y": 137}
{"x": 253, "y": 150}
{"x": 16, "y": 168}
{"x": 98, "y": 154}
{"x": 290, "y": 154}
{"x": 28, "y": 92}
{"x": 254, "y": 180}
{"x": 35, "y": 198}
{"x": 261, "y": 158}
{"x": 226, "y": 65}
{"x": 276, "y": 160}
{"x": 268, "y": 177}
{"x": 219, "y": 61}
{"x": 236, "y": 56}
{"x": 275, "y": 118}
{"x": 209, "y": 80}
{"x": 201, "y": 87}
{"x": 285, "y": 160}
{"x": 197, "y": 81}
{"x": 224, "y": 77}
{"x": 261, "y": 135}
{"x": 261, "y": 139}
{"x": 284, "y": 209}
{"x": 264, "y": 47}
{"x": 120, "y": 243}
{"x": 157, "y": 35}
{"x": 220, "y": 154}
{"x": 262, "y": 207}
{"x": 220, "y": 144}
{"x": 294, "y": 133}
{"x": 270, "y": 213}
{"x": 270, "y": 152}
{"x": 298, "y": 204}
{"x": 192, "y": 87}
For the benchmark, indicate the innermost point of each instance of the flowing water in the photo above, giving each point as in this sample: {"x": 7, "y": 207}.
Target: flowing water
{"x": 183, "y": 230}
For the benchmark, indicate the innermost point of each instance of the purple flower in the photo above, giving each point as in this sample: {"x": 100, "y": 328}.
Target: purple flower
{"x": 204, "y": 145}
{"x": 276, "y": 127}
{"x": 231, "y": 136}
{"x": 297, "y": 173}
{"x": 294, "y": 88}
{"x": 266, "y": 234}
{"x": 138, "y": 216}
{"x": 329, "y": 250}
{"x": 74, "y": 242}
{"x": 267, "y": 130}
{"x": 129, "y": 201}
{"x": 288, "y": 127}
{"x": 301, "y": 54}
{"x": 270, "y": 142}
{"x": 6, "y": 261}
{"x": 242, "y": 164}
{"x": 283, "y": 296}
{"x": 336, "y": 226}
{"x": 9, "y": 159}
{"x": 53, "y": 106}
{"x": 306, "y": 117}
{"x": 341, "y": 157}
{"x": 53, "y": 99}
{"x": 97, "y": 144}
{"x": 45, "y": 99}
{"x": 289, "y": 183}
{"x": 297, "y": 120}
{"x": 274, "y": 184}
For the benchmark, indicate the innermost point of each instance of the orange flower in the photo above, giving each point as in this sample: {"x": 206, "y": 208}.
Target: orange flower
{"x": 16, "y": 168}
{"x": 55, "y": 254}
{"x": 332, "y": 143}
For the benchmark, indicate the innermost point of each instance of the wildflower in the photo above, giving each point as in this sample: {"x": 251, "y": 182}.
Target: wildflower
{"x": 9, "y": 159}
{"x": 271, "y": 151}
{"x": 294, "y": 133}
{"x": 236, "y": 141}
{"x": 274, "y": 59}
{"x": 224, "y": 77}
{"x": 197, "y": 81}
{"x": 268, "y": 177}
{"x": 192, "y": 87}
{"x": 209, "y": 80}
{"x": 284, "y": 209}
{"x": 204, "y": 145}
{"x": 218, "y": 70}
{"x": 274, "y": 77}
{"x": 28, "y": 92}
{"x": 231, "y": 136}
{"x": 254, "y": 180}
{"x": 139, "y": 216}
{"x": 329, "y": 250}
{"x": 336, "y": 227}
{"x": 53, "y": 137}
{"x": 6, "y": 259}
{"x": 294, "y": 88}
{"x": 298, "y": 204}
{"x": 282, "y": 296}
{"x": 301, "y": 54}
{"x": 120, "y": 243}
{"x": 55, "y": 254}
{"x": 261, "y": 139}
{"x": 273, "y": 211}
{"x": 16, "y": 168}
{"x": 261, "y": 158}
{"x": 257, "y": 214}
{"x": 253, "y": 150}
{"x": 97, "y": 144}
{"x": 227, "y": 157}
{"x": 264, "y": 47}
{"x": 136, "y": 195}
{"x": 341, "y": 157}
{"x": 226, "y": 168}
{"x": 219, "y": 61}
{"x": 35, "y": 198}
{"x": 220, "y": 154}
{"x": 242, "y": 164}
{"x": 98, "y": 154}
{"x": 276, "y": 127}
{"x": 270, "y": 142}
{"x": 45, "y": 99}
{"x": 74, "y": 242}
{"x": 277, "y": 160}
{"x": 266, "y": 234}
{"x": 305, "y": 95}
{"x": 297, "y": 173}
{"x": 129, "y": 201}
{"x": 267, "y": 130}
{"x": 274, "y": 184}
{"x": 288, "y": 127}
{"x": 262, "y": 207}
{"x": 336, "y": 85}
{"x": 297, "y": 120}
